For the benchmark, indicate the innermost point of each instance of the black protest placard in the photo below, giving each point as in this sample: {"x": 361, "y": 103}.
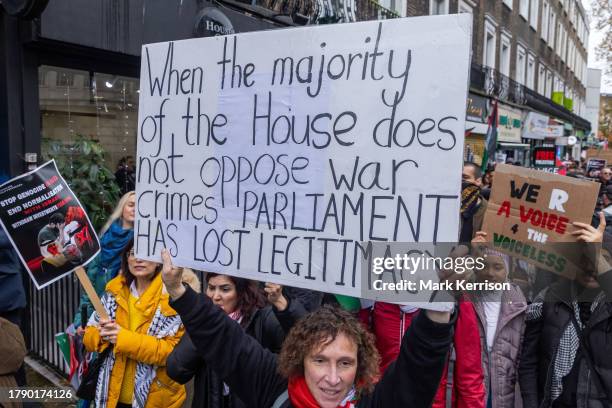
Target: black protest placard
{"x": 47, "y": 224}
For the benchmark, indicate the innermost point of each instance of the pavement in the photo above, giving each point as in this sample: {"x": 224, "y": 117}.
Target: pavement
{"x": 38, "y": 375}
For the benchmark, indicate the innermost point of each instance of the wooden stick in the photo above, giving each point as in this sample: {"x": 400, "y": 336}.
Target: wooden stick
{"x": 91, "y": 292}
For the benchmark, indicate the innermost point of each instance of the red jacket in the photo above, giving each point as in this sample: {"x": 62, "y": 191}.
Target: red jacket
{"x": 389, "y": 324}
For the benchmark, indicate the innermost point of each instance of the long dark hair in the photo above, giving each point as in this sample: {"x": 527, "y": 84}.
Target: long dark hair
{"x": 125, "y": 269}
{"x": 250, "y": 295}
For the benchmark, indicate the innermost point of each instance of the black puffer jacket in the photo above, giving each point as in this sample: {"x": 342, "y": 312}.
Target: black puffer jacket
{"x": 251, "y": 371}
{"x": 542, "y": 341}
{"x": 268, "y": 326}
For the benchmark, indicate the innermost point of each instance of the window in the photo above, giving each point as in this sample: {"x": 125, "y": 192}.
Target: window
{"x": 464, "y": 7}
{"x": 504, "y": 55}
{"x": 551, "y": 29}
{"x": 542, "y": 80}
{"x": 488, "y": 59}
{"x": 394, "y": 5}
{"x": 530, "y": 71}
{"x": 524, "y": 9}
{"x": 545, "y": 17}
{"x": 549, "y": 84}
{"x": 437, "y": 7}
{"x": 558, "y": 35}
{"x": 508, "y": 3}
{"x": 533, "y": 15}
{"x": 78, "y": 102}
{"x": 520, "y": 64}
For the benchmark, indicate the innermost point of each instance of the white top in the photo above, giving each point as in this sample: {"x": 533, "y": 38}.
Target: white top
{"x": 491, "y": 310}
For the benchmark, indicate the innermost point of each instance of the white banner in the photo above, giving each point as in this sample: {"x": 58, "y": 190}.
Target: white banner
{"x": 537, "y": 127}
{"x": 274, "y": 155}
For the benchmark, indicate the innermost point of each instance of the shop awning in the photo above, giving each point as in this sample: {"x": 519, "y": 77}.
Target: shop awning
{"x": 515, "y": 145}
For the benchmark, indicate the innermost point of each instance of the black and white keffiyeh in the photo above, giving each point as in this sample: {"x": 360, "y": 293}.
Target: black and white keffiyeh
{"x": 568, "y": 343}
{"x": 161, "y": 326}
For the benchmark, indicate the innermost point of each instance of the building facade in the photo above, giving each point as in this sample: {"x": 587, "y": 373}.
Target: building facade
{"x": 531, "y": 57}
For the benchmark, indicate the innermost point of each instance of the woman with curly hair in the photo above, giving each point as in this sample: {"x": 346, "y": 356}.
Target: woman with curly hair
{"x": 328, "y": 360}
{"x": 245, "y": 303}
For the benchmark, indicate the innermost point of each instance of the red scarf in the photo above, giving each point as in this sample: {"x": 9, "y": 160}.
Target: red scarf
{"x": 300, "y": 395}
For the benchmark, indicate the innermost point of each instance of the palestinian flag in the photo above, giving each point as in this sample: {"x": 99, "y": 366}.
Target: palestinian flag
{"x": 491, "y": 142}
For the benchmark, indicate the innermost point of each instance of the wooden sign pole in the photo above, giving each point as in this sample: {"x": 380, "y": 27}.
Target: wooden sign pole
{"x": 91, "y": 292}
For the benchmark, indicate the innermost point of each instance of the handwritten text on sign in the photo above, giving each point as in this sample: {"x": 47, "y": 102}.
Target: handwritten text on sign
{"x": 274, "y": 155}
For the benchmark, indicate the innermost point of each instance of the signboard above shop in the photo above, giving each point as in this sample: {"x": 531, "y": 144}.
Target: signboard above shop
{"x": 537, "y": 126}
{"x": 509, "y": 124}
{"x": 476, "y": 109}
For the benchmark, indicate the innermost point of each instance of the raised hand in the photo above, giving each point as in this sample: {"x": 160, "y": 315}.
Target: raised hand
{"x": 171, "y": 276}
{"x": 274, "y": 292}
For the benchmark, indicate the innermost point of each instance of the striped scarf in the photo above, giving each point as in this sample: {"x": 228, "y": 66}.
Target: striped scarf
{"x": 568, "y": 343}
{"x": 161, "y": 326}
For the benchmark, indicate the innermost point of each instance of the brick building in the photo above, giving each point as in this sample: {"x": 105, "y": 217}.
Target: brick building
{"x": 531, "y": 56}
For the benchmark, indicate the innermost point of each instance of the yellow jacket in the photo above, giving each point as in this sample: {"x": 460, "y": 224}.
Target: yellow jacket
{"x": 139, "y": 346}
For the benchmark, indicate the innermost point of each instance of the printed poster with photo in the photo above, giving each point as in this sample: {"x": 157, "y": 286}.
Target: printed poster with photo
{"x": 47, "y": 224}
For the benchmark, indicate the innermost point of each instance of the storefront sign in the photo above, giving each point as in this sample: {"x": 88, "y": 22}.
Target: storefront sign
{"x": 46, "y": 224}
{"x": 537, "y": 127}
{"x": 509, "y": 124}
{"x": 476, "y": 109}
{"x": 277, "y": 162}
{"x": 211, "y": 22}
{"x": 544, "y": 157}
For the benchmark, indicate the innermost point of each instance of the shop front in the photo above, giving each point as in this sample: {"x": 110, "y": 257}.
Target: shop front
{"x": 510, "y": 145}
{"x": 475, "y": 128}
{"x": 71, "y": 74}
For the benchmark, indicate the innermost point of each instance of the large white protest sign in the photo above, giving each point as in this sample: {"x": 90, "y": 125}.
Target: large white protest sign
{"x": 278, "y": 155}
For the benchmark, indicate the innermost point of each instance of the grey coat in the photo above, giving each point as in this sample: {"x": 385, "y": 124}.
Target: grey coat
{"x": 500, "y": 365}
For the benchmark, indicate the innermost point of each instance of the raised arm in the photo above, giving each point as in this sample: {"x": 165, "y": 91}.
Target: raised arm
{"x": 248, "y": 369}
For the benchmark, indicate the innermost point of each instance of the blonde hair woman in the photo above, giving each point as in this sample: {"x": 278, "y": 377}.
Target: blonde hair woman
{"x": 114, "y": 236}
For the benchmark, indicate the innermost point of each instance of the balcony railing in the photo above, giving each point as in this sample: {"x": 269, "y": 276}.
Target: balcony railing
{"x": 371, "y": 10}
{"x": 303, "y": 12}
{"x": 496, "y": 84}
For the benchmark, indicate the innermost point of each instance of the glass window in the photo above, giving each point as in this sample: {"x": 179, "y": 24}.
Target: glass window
{"x": 533, "y": 14}
{"x": 504, "y": 56}
{"x": 524, "y": 9}
{"x": 545, "y": 17}
{"x": 551, "y": 29}
{"x": 542, "y": 80}
{"x": 520, "y": 65}
{"x": 530, "y": 72}
{"x": 464, "y": 7}
{"x": 488, "y": 58}
{"x": 94, "y": 106}
{"x": 437, "y": 7}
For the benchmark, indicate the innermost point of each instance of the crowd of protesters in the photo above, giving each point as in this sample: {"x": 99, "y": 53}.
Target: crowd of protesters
{"x": 241, "y": 343}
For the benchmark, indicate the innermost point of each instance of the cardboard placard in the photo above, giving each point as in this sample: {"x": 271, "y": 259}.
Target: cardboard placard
{"x": 600, "y": 154}
{"x": 530, "y": 215}
{"x": 47, "y": 224}
{"x": 277, "y": 162}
